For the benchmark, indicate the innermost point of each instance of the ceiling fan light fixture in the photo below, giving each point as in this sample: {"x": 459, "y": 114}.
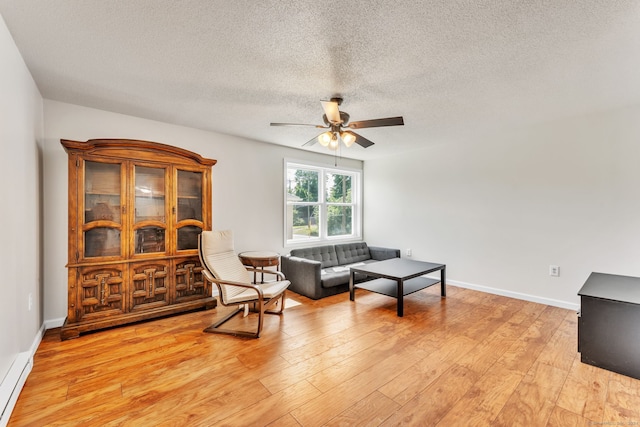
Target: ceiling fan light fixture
{"x": 348, "y": 138}
{"x": 325, "y": 138}
{"x": 335, "y": 142}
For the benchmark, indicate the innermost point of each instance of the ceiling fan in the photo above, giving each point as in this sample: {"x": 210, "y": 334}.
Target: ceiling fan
{"x": 340, "y": 128}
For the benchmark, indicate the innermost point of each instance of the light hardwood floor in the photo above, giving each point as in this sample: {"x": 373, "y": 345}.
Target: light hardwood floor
{"x": 470, "y": 359}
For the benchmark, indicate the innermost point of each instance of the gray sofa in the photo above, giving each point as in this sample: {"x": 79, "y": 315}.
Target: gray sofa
{"x": 322, "y": 271}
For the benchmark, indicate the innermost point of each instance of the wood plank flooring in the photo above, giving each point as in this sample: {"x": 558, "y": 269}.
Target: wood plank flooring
{"x": 470, "y": 359}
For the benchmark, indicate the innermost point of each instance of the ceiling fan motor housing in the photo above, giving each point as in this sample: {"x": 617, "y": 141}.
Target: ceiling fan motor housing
{"x": 344, "y": 119}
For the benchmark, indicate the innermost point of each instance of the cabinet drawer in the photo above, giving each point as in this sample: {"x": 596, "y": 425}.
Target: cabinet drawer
{"x": 101, "y": 291}
{"x": 149, "y": 284}
{"x": 190, "y": 283}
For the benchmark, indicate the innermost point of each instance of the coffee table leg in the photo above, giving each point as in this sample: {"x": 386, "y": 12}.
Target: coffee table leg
{"x": 443, "y": 283}
{"x": 352, "y": 294}
{"x": 400, "y": 298}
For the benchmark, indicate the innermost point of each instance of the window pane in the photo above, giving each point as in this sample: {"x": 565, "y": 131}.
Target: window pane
{"x": 102, "y": 192}
{"x": 302, "y": 185}
{"x": 102, "y": 241}
{"x": 149, "y": 239}
{"x": 189, "y": 195}
{"x": 149, "y": 201}
{"x": 338, "y": 188}
{"x": 321, "y": 203}
{"x": 188, "y": 237}
{"x": 304, "y": 221}
{"x": 340, "y": 220}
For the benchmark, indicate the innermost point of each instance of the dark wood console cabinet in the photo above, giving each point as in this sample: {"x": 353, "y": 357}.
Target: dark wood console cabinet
{"x": 136, "y": 209}
{"x": 609, "y": 323}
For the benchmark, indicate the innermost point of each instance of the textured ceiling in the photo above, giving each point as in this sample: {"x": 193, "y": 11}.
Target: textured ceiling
{"x": 452, "y": 68}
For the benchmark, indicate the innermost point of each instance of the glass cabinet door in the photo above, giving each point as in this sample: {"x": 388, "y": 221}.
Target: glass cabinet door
{"x": 150, "y": 210}
{"x": 189, "y": 209}
{"x": 102, "y": 201}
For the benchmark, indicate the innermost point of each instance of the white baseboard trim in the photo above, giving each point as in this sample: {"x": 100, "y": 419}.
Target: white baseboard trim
{"x": 13, "y": 382}
{"x": 54, "y": 323}
{"x": 511, "y": 294}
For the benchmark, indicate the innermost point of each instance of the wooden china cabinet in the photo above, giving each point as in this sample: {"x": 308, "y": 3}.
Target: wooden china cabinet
{"x": 136, "y": 209}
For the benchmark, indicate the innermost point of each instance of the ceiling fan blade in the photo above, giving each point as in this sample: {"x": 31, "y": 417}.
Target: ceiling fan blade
{"x": 312, "y": 141}
{"x": 389, "y": 121}
{"x": 298, "y": 124}
{"x": 361, "y": 140}
{"x": 332, "y": 111}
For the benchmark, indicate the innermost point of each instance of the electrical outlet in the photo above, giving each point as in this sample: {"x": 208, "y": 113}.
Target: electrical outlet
{"x": 408, "y": 252}
{"x": 554, "y": 270}
{"x": 30, "y": 301}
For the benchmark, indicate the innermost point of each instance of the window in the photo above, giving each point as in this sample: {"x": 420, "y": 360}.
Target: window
{"x": 321, "y": 203}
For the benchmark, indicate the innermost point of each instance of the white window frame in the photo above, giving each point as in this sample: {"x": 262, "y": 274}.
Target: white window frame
{"x": 356, "y": 197}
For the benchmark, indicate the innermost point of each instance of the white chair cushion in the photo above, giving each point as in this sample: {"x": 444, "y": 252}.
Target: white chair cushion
{"x": 269, "y": 290}
{"x": 218, "y": 251}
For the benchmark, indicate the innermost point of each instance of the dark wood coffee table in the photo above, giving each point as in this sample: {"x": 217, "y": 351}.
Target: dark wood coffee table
{"x": 397, "y": 277}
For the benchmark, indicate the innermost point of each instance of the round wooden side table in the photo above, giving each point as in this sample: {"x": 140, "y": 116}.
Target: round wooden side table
{"x": 260, "y": 259}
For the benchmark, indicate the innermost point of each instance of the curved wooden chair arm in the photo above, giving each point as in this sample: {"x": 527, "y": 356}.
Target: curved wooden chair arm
{"x": 242, "y": 285}
{"x": 207, "y": 274}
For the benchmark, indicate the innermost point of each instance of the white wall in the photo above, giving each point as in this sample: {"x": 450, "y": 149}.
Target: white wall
{"x": 20, "y": 216}
{"x": 499, "y": 210}
{"x": 247, "y": 183}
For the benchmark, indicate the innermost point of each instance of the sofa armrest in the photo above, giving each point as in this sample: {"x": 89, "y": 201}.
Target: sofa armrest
{"x": 380, "y": 254}
{"x": 304, "y": 275}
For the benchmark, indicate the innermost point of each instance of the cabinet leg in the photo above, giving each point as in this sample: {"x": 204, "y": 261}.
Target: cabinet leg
{"x": 67, "y": 333}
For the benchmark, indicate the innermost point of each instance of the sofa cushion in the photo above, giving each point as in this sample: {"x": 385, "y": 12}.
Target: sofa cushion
{"x": 325, "y": 254}
{"x": 350, "y": 253}
{"x": 339, "y": 275}
{"x": 330, "y": 278}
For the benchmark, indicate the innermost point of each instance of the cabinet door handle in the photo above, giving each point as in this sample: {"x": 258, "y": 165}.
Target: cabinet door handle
{"x": 102, "y": 290}
{"x": 150, "y": 282}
